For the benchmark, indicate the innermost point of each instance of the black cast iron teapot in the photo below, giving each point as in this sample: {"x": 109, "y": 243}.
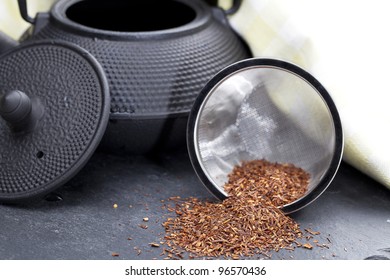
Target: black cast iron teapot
{"x": 122, "y": 75}
{"x": 156, "y": 55}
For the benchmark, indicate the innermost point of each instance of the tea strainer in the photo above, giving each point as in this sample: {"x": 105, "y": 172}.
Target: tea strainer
{"x": 265, "y": 109}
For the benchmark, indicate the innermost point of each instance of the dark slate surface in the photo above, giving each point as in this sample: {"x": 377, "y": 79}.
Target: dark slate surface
{"x": 353, "y": 215}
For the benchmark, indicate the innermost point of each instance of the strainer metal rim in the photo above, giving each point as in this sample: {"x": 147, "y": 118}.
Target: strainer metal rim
{"x": 224, "y": 74}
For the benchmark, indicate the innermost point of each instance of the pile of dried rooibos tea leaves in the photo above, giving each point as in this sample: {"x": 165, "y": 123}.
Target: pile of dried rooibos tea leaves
{"x": 248, "y": 221}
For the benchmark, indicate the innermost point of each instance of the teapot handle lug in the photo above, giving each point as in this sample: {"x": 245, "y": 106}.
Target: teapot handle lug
{"x": 220, "y": 15}
{"x": 41, "y": 21}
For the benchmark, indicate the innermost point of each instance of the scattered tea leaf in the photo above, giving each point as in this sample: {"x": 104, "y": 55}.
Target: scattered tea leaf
{"x": 311, "y": 231}
{"x": 248, "y": 221}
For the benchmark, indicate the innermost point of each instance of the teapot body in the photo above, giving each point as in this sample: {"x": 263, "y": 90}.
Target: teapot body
{"x": 6, "y": 43}
{"x": 157, "y": 56}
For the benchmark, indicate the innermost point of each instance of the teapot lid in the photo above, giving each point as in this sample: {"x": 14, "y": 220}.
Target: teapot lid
{"x": 54, "y": 109}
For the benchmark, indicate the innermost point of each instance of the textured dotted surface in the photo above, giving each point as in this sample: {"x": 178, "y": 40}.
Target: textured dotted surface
{"x": 158, "y": 76}
{"x": 71, "y": 92}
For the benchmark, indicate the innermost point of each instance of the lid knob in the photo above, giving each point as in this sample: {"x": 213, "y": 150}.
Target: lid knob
{"x": 20, "y": 111}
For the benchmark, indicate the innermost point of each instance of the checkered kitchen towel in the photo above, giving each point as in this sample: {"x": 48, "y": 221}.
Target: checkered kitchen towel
{"x": 345, "y": 45}
{"x": 270, "y": 32}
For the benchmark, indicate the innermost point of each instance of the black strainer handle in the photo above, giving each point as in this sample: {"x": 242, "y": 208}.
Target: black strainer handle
{"x": 24, "y": 12}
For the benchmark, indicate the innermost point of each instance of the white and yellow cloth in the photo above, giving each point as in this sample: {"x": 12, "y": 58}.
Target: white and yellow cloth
{"x": 345, "y": 44}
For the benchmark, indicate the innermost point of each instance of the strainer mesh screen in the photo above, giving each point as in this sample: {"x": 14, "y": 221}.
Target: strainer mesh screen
{"x": 264, "y": 113}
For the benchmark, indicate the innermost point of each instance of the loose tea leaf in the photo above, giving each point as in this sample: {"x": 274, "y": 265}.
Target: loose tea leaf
{"x": 309, "y": 230}
{"x": 279, "y": 183}
{"x": 248, "y": 221}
